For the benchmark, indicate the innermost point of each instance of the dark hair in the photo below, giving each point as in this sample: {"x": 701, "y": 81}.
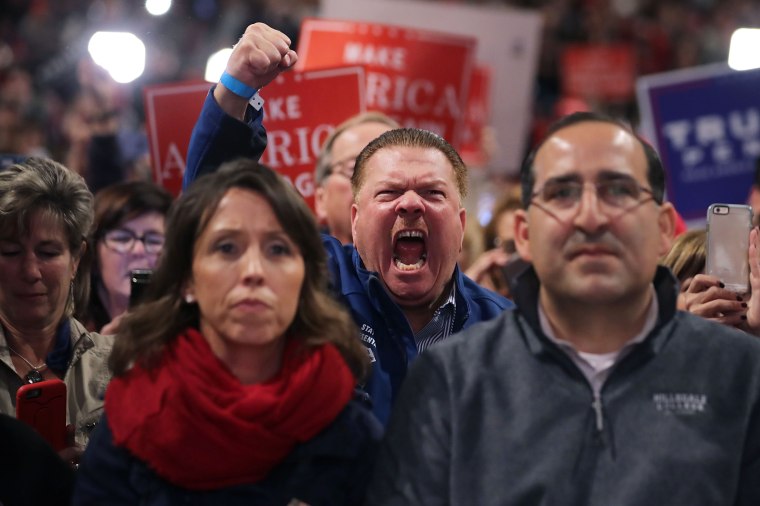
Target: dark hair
{"x": 324, "y": 160}
{"x": 115, "y": 205}
{"x": 655, "y": 170}
{"x": 410, "y": 137}
{"x": 46, "y": 186}
{"x": 164, "y": 314}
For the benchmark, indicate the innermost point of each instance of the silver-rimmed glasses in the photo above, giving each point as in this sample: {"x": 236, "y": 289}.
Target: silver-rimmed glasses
{"x": 561, "y": 197}
{"x": 343, "y": 168}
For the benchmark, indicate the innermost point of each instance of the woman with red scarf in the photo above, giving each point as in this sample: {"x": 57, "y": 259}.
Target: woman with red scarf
{"x": 233, "y": 380}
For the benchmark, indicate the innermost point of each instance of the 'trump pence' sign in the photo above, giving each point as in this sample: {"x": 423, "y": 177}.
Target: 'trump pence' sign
{"x": 418, "y": 77}
{"x": 705, "y": 123}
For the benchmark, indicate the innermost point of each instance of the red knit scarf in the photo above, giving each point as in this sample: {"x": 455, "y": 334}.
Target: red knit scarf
{"x": 198, "y": 427}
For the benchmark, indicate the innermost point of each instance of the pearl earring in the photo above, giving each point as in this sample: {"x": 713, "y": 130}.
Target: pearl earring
{"x": 189, "y": 298}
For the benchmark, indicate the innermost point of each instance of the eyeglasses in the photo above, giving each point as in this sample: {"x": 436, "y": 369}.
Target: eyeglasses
{"x": 343, "y": 168}
{"x": 123, "y": 240}
{"x": 561, "y": 197}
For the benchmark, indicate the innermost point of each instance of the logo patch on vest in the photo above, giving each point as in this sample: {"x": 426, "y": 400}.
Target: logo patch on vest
{"x": 680, "y": 403}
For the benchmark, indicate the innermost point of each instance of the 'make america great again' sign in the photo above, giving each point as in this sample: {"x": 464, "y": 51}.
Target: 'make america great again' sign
{"x": 418, "y": 77}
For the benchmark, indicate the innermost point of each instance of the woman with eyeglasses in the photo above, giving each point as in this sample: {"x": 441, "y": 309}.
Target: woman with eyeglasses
{"x": 127, "y": 235}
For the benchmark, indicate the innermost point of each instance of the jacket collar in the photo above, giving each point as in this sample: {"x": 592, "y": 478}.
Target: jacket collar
{"x": 526, "y": 292}
{"x": 380, "y": 299}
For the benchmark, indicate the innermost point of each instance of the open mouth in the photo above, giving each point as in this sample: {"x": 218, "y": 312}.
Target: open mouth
{"x": 409, "y": 250}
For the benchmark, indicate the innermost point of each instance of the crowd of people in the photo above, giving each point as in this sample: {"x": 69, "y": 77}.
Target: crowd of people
{"x": 281, "y": 356}
{"x": 52, "y": 103}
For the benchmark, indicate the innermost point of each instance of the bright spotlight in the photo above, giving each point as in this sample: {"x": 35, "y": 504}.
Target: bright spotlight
{"x": 122, "y": 54}
{"x": 216, "y": 64}
{"x": 744, "y": 53}
{"x": 158, "y": 7}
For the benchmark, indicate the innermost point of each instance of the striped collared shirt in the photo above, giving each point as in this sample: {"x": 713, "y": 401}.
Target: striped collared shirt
{"x": 442, "y": 324}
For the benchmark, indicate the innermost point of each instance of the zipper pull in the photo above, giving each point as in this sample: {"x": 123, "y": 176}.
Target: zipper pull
{"x": 597, "y": 405}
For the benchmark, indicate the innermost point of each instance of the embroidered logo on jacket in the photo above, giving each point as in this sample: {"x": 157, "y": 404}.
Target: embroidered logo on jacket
{"x": 680, "y": 403}
{"x": 367, "y": 334}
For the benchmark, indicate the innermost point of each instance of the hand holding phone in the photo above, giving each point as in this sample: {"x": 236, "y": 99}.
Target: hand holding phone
{"x": 43, "y": 406}
{"x": 728, "y": 227}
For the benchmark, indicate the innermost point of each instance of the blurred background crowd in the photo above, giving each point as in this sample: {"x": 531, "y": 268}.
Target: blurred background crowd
{"x": 53, "y": 100}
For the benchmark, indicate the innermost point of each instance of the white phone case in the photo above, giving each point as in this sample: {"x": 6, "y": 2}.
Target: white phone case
{"x": 728, "y": 227}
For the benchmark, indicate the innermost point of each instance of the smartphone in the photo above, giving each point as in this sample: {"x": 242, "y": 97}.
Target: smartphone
{"x": 139, "y": 280}
{"x": 43, "y": 406}
{"x": 728, "y": 227}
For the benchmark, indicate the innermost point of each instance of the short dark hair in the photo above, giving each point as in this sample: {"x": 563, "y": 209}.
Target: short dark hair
{"x": 410, "y": 137}
{"x": 121, "y": 202}
{"x": 655, "y": 170}
{"x": 163, "y": 314}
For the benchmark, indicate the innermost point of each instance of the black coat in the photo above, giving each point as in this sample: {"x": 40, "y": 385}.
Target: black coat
{"x": 330, "y": 469}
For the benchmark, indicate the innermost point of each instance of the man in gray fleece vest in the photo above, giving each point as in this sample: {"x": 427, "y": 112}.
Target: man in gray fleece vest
{"x": 595, "y": 390}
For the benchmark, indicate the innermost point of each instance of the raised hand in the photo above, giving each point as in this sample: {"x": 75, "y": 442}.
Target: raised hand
{"x": 258, "y": 57}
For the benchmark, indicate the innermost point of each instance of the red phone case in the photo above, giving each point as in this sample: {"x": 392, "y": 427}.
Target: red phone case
{"x": 43, "y": 406}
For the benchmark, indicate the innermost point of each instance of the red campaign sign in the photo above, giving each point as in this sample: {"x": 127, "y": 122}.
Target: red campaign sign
{"x": 300, "y": 111}
{"x": 595, "y": 71}
{"x": 171, "y": 111}
{"x": 477, "y": 117}
{"x": 418, "y": 77}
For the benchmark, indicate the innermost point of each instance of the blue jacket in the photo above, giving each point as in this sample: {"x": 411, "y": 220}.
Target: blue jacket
{"x": 331, "y": 469}
{"x": 218, "y": 137}
{"x": 383, "y": 327}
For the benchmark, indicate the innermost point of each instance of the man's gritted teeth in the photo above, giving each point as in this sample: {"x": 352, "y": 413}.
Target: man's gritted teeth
{"x": 409, "y": 250}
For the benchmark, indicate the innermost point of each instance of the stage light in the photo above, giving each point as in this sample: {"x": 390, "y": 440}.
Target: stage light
{"x": 158, "y": 7}
{"x": 744, "y": 53}
{"x": 122, "y": 54}
{"x": 216, "y": 64}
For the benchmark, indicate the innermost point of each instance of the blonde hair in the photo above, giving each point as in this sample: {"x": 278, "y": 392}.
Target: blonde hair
{"x": 686, "y": 257}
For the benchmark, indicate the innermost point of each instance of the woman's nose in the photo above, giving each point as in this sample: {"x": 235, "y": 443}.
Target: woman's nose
{"x": 30, "y": 268}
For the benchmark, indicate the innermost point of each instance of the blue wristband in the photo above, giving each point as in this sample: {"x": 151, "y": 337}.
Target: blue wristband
{"x": 238, "y": 88}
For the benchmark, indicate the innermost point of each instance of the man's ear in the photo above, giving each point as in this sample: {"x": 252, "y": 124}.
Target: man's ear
{"x": 667, "y": 227}
{"x": 522, "y": 234}
{"x": 463, "y": 221}
{"x": 354, "y": 217}
{"x": 320, "y": 207}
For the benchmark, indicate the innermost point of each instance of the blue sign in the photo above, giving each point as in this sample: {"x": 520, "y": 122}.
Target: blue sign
{"x": 8, "y": 159}
{"x": 705, "y": 123}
